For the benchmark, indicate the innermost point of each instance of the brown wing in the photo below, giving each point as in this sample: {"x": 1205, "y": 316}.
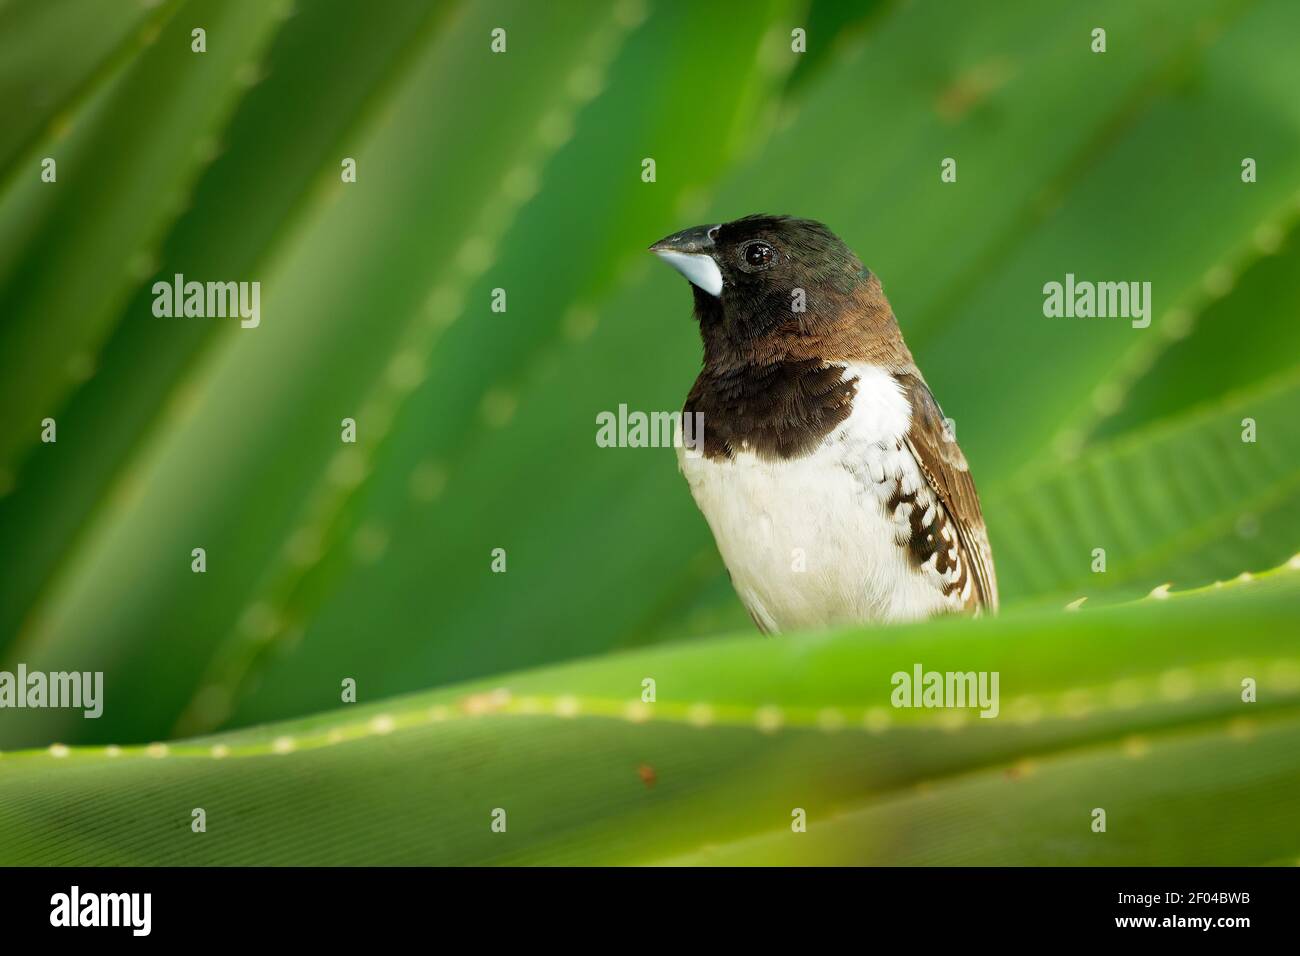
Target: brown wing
{"x": 944, "y": 467}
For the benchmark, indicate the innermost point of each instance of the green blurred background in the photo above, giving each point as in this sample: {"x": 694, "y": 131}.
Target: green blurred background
{"x": 522, "y": 171}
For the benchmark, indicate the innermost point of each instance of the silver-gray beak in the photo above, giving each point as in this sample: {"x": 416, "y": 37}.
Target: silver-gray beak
{"x": 690, "y": 252}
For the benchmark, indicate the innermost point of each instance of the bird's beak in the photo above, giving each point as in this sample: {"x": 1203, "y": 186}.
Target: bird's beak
{"x": 690, "y": 252}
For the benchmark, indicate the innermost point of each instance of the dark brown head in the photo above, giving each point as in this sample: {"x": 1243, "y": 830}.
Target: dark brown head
{"x": 769, "y": 287}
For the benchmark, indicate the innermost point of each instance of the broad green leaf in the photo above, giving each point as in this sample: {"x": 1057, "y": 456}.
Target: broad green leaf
{"x": 1188, "y": 502}
{"x": 1159, "y": 174}
{"x": 51, "y": 54}
{"x": 1244, "y": 337}
{"x": 1040, "y": 812}
{"x": 246, "y": 204}
{"x": 294, "y": 531}
{"x": 1137, "y": 709}
{"x": 71, "y": 251}
{"x": 830, "y": 28}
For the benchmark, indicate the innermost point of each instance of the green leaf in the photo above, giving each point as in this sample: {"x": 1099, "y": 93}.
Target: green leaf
{"x": 52, "y": 54}
{"x": 1039, "y": 813}
{"x": 422, "y": 359}
{"x": 1135, "y": 709}
{"x": 1068, "y": 373}
{"x": 1244, "y": 337}
{"x": 1187, "y": 501}
{"x": 244, "y": 206}
{"x": 129, "y": 156}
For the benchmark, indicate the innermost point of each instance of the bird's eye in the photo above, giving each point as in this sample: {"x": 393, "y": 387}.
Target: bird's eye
{"x": 758, "y": 254}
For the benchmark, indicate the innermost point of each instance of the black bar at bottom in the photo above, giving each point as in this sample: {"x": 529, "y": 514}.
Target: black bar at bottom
{"x": 334, "y": 905}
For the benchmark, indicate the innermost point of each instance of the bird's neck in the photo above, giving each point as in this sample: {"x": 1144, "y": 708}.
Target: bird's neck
{"x": 856, "y": 325}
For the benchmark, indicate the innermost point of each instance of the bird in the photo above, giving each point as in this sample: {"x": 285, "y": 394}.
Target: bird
{"x": 833, "y": 484}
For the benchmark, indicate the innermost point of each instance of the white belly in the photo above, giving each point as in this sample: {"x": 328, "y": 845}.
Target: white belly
{"x": 808, "y": 541}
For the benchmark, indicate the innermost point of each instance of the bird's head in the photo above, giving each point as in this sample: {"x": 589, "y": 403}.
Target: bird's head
{"x": 762, "y": 276}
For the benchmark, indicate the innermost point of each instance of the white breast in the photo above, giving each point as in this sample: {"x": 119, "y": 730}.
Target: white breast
{"x": 807, "y": 540}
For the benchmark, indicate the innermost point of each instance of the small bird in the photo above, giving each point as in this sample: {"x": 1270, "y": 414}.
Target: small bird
{"x": 834, "y": 488}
